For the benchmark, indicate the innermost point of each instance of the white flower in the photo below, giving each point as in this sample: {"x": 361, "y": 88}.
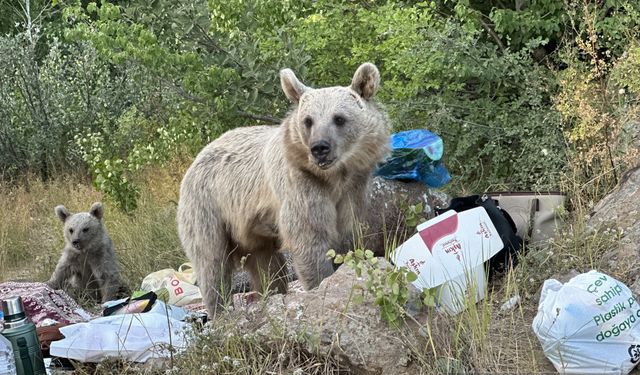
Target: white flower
{"x": 544, "y": 151}
{"x": 621, "y": 91}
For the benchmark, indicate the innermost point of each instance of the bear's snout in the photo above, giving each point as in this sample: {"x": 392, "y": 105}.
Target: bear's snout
{"x": 76, "y": 244}
{"x": 320, "y": 151}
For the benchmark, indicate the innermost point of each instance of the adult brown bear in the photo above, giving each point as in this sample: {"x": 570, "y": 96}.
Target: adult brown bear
{"x": 299, "y": 185}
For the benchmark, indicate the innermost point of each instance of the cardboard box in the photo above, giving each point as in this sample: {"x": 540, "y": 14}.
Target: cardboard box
{"x": 447, "y": 254}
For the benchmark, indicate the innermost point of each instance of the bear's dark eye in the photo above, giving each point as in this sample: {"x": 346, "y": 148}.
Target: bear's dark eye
{"x": 85, "y": 229}
{"x": 308, "y": 122}
{"x": 339, "y": 120}
{"x": 70, "y": 230}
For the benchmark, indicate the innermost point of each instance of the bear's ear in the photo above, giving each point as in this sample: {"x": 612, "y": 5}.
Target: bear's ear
{"x": 291, "y": 86}
{"x": 62, "y": 213}
{"x": 366, "y": 81}
{"x": 96, "y": 210}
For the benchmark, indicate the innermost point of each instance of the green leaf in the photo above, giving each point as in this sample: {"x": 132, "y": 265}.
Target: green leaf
{"x": 411, "y": 276}
{"x": 429, "y": 298}
{"x": 395, "y": 288}
{"x": 92, "y": 7}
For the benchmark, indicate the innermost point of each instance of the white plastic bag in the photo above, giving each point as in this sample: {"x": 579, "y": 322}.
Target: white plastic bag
{"x": 590, "y": 325}
{"x": 133, "y": 337}
{"x": 180, "y": 285}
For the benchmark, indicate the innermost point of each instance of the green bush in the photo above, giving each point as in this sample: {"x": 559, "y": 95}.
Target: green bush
{"x": 492, "y": 107}
{"x": 112, "y": 87}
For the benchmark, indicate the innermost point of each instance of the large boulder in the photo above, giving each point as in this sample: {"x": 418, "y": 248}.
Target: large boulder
{"x": 620, "y": 212}
{"x": 621, "y": 208}
{"x": 333, "y": 325}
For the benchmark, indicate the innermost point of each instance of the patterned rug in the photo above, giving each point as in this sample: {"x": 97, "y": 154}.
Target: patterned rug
{"x": 43, "y": 304}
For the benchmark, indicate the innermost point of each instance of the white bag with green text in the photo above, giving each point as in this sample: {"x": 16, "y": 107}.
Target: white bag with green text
{"x": 590, "y": 325}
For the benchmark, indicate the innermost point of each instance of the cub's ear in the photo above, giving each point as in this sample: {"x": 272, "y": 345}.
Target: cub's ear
{"x": 96, "y": 210}
{"x": 291, "y": 86}
{"x": 62, "y": 213}
{"x": 366, "y": 81}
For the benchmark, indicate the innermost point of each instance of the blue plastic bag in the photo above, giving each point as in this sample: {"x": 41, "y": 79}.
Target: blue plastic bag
{"x": 416, "y": 156}
{"x": 422, "y": 139}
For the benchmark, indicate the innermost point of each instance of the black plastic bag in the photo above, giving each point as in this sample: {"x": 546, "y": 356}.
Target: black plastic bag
{"x": 506, "y": 258}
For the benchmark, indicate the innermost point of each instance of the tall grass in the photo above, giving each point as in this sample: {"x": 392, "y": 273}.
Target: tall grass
{"x": 31, "y": 238}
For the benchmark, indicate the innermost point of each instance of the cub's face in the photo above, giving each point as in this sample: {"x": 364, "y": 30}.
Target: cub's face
{"x": 329, "y": 121}
{"x": 82, "y": 228}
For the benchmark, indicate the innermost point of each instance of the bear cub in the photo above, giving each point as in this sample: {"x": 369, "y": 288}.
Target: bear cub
{"x": 88, "y": 262}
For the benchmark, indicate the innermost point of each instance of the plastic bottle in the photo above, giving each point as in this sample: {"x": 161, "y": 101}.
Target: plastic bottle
{"x": 7, "y": 361}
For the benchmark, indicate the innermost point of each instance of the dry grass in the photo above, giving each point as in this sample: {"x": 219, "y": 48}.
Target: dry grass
{"x": 222, "y": 348}
{"x": 145, "y": 241}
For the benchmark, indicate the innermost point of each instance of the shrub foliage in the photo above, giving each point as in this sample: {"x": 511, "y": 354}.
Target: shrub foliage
{"x": 524, "y": 94}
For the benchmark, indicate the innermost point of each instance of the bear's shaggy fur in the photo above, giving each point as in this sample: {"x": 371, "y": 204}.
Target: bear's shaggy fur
{"x": 299, "y": 185}
{"x": 88, "y": 262}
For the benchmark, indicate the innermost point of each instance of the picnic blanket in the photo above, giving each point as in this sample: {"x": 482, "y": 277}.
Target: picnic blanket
{"x": 43, "y": 304}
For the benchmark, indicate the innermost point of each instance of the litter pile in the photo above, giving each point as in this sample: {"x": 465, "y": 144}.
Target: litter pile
{"x": 452, "y": 253}
{"x": 49, "y": 324}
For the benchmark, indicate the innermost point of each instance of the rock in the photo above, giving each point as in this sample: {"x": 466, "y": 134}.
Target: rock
{"x": 621, "y": 208}
{"x": 620, "y": 211}
{"x": 511, "y": 303}
{"x": 385, "y": 220}
{"x": 335, "y": 326}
